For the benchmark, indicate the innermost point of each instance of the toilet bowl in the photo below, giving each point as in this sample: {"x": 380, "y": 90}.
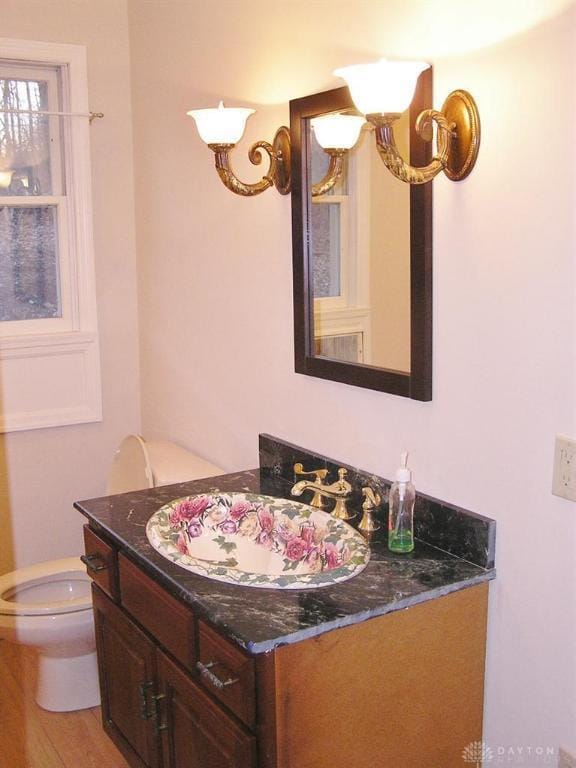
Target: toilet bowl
{"x": 49, "y": 605}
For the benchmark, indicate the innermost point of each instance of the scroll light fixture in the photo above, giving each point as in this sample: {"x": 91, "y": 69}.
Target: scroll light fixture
{"x": 384, "y": 89}
{"x": 381, "y": 91}
{"x": 222, "y": 128}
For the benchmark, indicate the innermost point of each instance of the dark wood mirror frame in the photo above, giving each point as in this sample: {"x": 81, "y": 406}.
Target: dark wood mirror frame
{"x": 418, "y": 383}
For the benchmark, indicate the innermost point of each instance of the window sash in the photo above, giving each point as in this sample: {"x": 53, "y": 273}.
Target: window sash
{"x": 347, "y": 261}
{"x": 53, "y": 76}
{"x": 68, "y": 308}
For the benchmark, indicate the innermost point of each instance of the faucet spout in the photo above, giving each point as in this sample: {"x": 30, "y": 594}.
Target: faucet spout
{"x": 305, "y": 485}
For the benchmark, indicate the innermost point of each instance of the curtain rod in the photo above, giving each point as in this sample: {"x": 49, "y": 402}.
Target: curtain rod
{"x": 90, "y": 115}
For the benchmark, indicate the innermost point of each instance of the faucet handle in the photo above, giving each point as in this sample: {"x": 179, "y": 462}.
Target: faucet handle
{"x": 319, "y": 474}
{"x": 371, "y": 500}
{"x": 341, "y": 490}
{"x": 344, "y": 484}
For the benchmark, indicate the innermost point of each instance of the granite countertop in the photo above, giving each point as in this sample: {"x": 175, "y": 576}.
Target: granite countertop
{"x": 262, "y": 619}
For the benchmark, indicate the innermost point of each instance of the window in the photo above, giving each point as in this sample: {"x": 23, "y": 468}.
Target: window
{"x": 33, "y": 250}
{"x": 49, "y": 360}
{"x": 339, "y": 252}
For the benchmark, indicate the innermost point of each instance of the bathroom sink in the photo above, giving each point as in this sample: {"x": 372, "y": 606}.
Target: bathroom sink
{"x": 257, "y": 541}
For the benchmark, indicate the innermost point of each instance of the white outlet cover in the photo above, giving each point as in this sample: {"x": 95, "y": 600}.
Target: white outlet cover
{"x": 564, "y": 476}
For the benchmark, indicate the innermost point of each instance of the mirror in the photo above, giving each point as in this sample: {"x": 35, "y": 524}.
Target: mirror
{"x": 362, "y": 256}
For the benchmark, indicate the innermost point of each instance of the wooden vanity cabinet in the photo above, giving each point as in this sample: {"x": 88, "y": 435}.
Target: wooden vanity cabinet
{"x": 196, "y": 733}
{"x": 153, "y": 710}
{"x": 404, "y": 689}
{"x": 127, "y": 668}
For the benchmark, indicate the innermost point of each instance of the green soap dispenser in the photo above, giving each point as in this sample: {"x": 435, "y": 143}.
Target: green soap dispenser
{"x": 401, "y": 506}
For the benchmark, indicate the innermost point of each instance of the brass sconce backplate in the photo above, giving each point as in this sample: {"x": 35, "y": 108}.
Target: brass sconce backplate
{"x": 461, "y": 111}
{"x": 282, "y": 175}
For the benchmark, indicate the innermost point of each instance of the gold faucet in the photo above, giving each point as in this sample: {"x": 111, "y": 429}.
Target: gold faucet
{"x": 339, "y": 490}
{"x": 320, "y": 475}
{"x": 371, "y": 500}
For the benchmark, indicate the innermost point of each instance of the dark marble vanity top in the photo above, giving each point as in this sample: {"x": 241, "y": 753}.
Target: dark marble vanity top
{"x": 261, "y": 619}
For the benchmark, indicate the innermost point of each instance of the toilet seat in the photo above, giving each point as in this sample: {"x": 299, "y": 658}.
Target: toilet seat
{"x": 41, "y": 575}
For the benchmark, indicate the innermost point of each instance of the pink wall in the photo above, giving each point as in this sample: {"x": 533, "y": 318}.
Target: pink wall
{"x": 43, "y": 471}
{"x": 215, "y": 291}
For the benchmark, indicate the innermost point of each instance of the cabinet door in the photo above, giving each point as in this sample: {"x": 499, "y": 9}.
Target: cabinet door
{"x": 196, "y": 732}
{"x": 126, "y": 663}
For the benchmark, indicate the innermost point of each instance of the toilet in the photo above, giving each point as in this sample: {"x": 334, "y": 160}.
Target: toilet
{"x": 49, "y": 605}
{"x": 140, "y": 464}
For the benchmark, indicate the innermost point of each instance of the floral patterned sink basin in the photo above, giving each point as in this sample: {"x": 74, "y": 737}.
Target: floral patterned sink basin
{"x": 257, "y": 541}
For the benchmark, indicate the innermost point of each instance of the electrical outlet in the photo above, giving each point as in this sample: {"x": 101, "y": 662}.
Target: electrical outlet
{"x": 564, "y": 478}
{"x": 566, "y": 760}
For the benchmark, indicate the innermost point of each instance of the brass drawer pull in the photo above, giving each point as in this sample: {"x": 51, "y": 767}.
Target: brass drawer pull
{"x": 159, "y": 725}
{"x": 94, "y": 563}
{"x": 205, "y": 671}
{"x": 145, "y": 713}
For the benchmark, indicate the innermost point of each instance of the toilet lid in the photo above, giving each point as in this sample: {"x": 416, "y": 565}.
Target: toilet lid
{"x": 55, "y": 587}
{"x": 131, "y": 469}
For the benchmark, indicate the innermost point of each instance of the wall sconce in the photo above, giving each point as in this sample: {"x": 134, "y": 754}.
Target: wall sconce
{"x": 336, "y": 134}
{"x": 222, "y": 128}
{"x": 383, "y": 90}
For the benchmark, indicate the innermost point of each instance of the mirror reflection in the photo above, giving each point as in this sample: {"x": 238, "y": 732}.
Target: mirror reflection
{"x": 360, "y": 254}
{"x": 362, "y": 250}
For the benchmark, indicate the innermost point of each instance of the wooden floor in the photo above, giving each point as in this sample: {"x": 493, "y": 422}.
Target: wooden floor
{"x": 30, "y": 737}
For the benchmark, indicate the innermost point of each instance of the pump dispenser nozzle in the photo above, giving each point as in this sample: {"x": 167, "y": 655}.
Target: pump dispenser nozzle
{"x": 403, "y": 474}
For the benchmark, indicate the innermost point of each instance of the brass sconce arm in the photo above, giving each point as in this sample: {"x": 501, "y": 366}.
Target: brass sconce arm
{"x": 457, "y": 140}
{"x": 278, "y": 173}
{"x": 228, "y": 177}
{"x": 333, "y": 174}
{"x": 386, "y": 145}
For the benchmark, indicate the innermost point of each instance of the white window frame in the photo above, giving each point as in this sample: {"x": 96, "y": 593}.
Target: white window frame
{"x": 57, "y": 199}
{"x": 349, "y": 312}
{"x": 60, "y": 354}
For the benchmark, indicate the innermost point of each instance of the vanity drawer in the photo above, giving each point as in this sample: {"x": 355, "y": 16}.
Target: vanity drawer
{"x": 101, "y": 562}
{"x": 227, "y": 673}
{"x": 168, "y": 620}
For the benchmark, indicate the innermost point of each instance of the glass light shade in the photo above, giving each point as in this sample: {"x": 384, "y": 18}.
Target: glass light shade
{"x": 222, "y": 125}
{"x": 382, "y": 87}
{"x": 337, "y": 131}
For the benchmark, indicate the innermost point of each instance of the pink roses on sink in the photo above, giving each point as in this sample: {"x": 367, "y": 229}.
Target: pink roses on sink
{"x": 296, "y": 548}
{"x": 297, "y": 540}
{"x": 239, "y": 509}
{"x": 189, "y": 509}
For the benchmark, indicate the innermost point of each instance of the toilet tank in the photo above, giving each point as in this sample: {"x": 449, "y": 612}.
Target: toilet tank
{"x": 139, "y": 464}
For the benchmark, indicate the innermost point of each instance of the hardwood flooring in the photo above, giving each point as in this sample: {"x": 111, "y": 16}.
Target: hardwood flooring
{"x": 30, "y": 737}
